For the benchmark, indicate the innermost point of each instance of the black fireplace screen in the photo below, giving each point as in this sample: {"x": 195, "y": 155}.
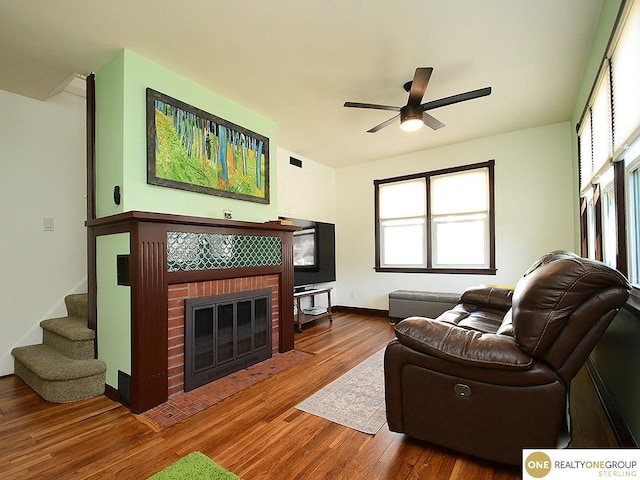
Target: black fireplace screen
{"x": 224, "y": 334}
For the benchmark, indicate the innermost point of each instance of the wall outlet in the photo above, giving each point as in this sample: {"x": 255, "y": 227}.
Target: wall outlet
{"x": 352, "y": 295}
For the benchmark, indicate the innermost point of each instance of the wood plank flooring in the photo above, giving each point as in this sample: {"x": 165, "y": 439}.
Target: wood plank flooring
{"x": 257, "y": 433}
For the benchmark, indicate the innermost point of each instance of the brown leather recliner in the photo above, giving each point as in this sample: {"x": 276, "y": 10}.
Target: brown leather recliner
{"x": 491, "y": 376}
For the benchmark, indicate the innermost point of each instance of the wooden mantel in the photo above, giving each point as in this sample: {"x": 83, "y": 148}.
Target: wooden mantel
{"x": 150, "y": 278}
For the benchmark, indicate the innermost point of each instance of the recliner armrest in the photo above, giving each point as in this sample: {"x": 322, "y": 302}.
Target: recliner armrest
{"x": 495, "y": 298}
{"x": 459, "y": 345}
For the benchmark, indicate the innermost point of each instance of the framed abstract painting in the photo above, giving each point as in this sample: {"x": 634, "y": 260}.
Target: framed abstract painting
{"x": 190, "y": 149}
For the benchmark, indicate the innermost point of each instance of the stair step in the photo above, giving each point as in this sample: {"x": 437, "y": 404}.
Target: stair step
{"x": 63, "y": 368}
{"x": 77, "y": 305}
{"x": 72, "y": 328}
{"x": 70, "y": 336}
{"x": 50, "y": 364}
{"x": 56, "y": 377}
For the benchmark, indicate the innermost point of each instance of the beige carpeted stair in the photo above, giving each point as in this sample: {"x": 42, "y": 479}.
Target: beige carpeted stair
{"x": 63, "y": 368}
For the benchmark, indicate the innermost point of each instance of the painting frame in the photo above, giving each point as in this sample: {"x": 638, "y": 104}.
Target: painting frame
{"x": 194, "y": 150}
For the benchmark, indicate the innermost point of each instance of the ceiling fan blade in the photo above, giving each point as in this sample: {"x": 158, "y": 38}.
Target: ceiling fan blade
{"x": 431, "y": 122}
{"x": 372, "y": 106}
{"x": 461, "y": 97}
{"x": 419, "y": 85}
{"x": 383, "y": 124}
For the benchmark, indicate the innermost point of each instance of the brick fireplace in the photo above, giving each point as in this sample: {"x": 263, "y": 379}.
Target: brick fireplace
{"x": 178, "y": 293}
{"x": 174, "y": 257}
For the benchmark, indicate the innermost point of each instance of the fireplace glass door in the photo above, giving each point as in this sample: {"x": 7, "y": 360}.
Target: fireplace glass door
{"x": 225, "y": 333}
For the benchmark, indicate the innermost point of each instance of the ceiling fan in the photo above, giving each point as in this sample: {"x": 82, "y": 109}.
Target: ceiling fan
{"x": 413, "y": 115}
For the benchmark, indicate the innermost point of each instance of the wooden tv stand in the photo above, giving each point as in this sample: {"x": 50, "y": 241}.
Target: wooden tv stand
{"x": 301, "y": 317}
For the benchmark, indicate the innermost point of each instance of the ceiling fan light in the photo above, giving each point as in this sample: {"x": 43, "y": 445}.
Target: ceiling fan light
{"x": 411, "y": 118}
{"x": 411, "y": 124}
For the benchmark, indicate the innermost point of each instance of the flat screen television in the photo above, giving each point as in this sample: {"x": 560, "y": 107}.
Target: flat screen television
{"x": 314, "y": 253}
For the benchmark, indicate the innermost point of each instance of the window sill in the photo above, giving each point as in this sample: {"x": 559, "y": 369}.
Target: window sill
{"x": 460, "y": 271}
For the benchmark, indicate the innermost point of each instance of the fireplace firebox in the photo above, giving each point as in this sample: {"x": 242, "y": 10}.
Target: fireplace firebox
{"x": 224, "y": 334}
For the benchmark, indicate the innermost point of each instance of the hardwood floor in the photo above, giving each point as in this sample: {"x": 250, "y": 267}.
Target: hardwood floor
{"x": 257, "y": 433}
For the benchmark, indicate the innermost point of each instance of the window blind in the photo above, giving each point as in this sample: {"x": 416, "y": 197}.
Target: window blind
{"x": 625, "y": 65}
{"x": 601, "y": 133}
{"x": 586, "y": 152}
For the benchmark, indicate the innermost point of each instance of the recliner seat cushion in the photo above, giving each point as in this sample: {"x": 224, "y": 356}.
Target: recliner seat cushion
{"x": 460, "y": 345}
{"x": 467, "y": 316}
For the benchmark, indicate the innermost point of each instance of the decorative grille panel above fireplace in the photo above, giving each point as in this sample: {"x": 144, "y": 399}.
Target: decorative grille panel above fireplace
{"x": 224, "y": 334}
{"x": 188, "y": 251}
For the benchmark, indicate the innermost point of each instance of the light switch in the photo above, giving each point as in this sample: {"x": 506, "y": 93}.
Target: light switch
{"x": 47, "y": 224}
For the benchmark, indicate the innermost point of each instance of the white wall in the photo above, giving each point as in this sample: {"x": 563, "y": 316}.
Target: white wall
{"x": 307, "y": 193}
{"x": 534, "y": 211}
{"x": 42, "y": 154}
{"x": 42, "y": 160}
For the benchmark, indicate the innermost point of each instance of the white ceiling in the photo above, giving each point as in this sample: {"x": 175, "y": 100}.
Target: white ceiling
{"x": 297, "y": 61}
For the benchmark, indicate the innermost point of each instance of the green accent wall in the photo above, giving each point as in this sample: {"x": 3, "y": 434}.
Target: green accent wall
{"x": 121, "y": 142}
{"x": 121, "y": 159}
{"x": 109, "y": 135}
{"x": 114, "y": 308}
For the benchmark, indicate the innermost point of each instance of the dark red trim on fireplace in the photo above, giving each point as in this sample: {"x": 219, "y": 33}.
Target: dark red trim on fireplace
{"x": 91, "y": 193}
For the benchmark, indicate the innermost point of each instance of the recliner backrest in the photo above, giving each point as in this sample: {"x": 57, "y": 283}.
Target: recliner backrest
{"x": 562, "y": 305}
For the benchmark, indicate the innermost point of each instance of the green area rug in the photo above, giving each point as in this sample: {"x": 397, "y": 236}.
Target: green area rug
{"x": 194, "y": 466}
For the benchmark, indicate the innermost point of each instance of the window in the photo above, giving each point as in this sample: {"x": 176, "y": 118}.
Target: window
{"x": 625, "y": 76}
{"x": 460, "y": 223}
{"x": 609, "y": 152}
{"x": 633, "y": 212}
{"x": 591, "y": 226}
{"x": 403, "y": 211}
{"x": 609, "y": 230}
{"x": 601, "y": 123}
{"x": 635, "y": 229}
{"x": 440, "y": 221}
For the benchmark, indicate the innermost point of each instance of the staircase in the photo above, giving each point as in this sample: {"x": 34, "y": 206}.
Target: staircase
{"x": 63, "y": 368}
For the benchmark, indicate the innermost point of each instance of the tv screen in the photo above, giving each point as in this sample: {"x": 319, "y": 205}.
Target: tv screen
{"x": 314, "y": 253}
{"x": 304, "y": 248}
